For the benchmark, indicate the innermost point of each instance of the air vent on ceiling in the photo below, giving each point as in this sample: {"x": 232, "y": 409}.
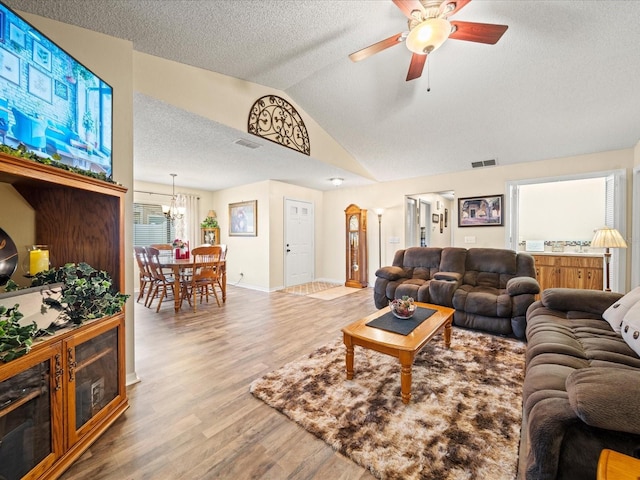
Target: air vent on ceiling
{"x": 484, "y": 163}
{"x": 246, "y": 143}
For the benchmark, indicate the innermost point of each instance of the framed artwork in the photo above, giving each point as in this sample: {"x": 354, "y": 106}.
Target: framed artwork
{"x": 17, "y": 35}
{"x": 39, "y": 84}
{"x": 243, "y": 219}
{"x": 481, "y": 211}
{"x": 2, "y": 27}
{"x": 446, "y": 217}
{"x": 435, "y": 218}
{"x": 41, "y": 56}
{"x": 9, "y": 66}
{"x": 61, "y": 90}
{"x": 441, "y": 223}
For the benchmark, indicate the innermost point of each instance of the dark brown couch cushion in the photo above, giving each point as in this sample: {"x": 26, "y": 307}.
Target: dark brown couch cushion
{"x": 591, "y": 397}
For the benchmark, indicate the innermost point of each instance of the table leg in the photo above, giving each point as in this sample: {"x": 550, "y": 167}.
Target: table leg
{"x": 223, "y": 287}
{"x": 406, "y": 361}
{"x": 447, "y": 333}
{"x": 177, "y": 288}
{"x": 349, "y": 357}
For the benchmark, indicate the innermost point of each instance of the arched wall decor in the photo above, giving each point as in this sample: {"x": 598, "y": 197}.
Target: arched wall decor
{"x": 275, "y": 119}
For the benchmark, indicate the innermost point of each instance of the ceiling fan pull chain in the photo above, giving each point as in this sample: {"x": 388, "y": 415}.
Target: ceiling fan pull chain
{"x": 428, "y": 76}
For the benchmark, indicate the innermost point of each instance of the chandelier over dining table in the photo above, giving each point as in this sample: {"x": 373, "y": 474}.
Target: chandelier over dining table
{"x": 175, "y": 210}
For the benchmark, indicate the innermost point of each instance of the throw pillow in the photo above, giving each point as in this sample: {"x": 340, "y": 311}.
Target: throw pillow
{"x": 631, "y": 328}
{"x": 616, "y": 312}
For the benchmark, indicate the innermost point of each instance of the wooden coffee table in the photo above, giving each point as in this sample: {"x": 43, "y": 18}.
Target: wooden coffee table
{"x": 403, "y": 347}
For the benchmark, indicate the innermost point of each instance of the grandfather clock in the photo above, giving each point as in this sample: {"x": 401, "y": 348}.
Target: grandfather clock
{"x": 357, "y": 270}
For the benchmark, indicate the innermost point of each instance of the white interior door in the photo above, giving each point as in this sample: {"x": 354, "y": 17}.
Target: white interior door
{"x": 299, "y": 255}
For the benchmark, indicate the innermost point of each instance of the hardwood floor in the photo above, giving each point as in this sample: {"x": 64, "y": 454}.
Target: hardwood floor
{"x": 192, "y": 416}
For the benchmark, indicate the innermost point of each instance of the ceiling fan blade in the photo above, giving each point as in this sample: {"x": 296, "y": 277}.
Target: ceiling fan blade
{"x": 477, "y": 32}
{"x": 376, "y": 47}
{"x": 408, "y": 6}
{"x": 416, "y": 66}
{"x": 457, "y": 5}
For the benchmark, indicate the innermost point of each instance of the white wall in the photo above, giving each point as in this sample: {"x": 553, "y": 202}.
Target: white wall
{"x": 226, "y": 100}
{"x": 565, "y": 210}
{"x": 111, "y": 59}
{"x": 487, "y": 181}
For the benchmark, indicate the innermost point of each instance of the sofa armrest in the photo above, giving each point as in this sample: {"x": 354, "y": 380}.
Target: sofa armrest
{"x": 606, "y": 397}
{"x": 520, "y": 285}
{"x": 391, "y": 273}
{"x": 441, "y": 292}
{"x": 448, "y": 276}
{"x": 589, "y": 301}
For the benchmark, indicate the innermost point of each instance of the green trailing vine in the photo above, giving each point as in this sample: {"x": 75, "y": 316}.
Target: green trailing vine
{"x": 54, "y": 161}
{"x": 15, "y": 339}
{"x": 87, "y": 293}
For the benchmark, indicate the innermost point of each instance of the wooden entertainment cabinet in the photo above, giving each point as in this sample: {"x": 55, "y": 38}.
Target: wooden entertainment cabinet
{"x": 59, "y": 398}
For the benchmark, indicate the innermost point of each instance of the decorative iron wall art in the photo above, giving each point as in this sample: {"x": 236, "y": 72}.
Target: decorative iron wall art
{"x": 275, "y": 119}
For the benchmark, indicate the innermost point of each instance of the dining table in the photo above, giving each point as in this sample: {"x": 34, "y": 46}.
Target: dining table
{"x": 178, "y": 267}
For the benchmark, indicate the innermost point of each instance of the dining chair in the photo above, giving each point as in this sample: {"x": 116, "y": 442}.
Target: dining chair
{"x": 160, "y": 279}
{"x": 162, "y": 246}
{"x": 146, "y": 278}
{"x": 205, "y": 274}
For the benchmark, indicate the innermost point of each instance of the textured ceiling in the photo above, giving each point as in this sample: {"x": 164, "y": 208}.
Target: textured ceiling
{"x": 562, "y": 81}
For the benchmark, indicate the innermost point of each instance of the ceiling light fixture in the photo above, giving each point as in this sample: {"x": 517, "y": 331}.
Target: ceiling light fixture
{"x": 336, "y": 181}
{"x": 173, "y": 211}
{"x": 428, "y": 36}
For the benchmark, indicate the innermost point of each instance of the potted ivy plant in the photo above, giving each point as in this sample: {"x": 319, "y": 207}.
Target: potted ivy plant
{"x": 87, "y": 293}
{"x": 89, "y": 125}
{"x": 15, "y": 339}
{"x": 209, "y": 222}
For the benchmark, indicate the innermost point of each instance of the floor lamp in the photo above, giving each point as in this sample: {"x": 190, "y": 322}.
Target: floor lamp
{"x": 379, "y": 211}
{"x": 607, "y": 237}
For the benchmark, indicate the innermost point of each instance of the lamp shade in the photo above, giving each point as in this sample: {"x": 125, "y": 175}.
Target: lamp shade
{"x": 212, "y": 214}
{"x": 428, "y": 35}
{"x": 607, "y": 237}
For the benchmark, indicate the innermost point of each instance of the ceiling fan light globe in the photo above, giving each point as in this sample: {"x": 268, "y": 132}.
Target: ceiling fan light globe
{"x": 428, "y": 36}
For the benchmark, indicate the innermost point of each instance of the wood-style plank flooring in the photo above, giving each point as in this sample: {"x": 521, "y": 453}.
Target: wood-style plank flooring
{"x": 192, "y": 416}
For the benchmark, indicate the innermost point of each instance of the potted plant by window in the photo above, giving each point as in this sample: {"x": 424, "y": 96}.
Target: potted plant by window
{"x": 89, "y": 125}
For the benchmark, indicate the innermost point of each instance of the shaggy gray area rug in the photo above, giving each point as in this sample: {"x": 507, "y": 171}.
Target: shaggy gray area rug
{"x": 463, "y": 421}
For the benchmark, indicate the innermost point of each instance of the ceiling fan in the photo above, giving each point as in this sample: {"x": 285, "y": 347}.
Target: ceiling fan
{"x": 429, "y": 28}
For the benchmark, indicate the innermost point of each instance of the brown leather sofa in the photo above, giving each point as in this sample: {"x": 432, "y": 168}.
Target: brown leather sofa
{"x": 489, "y": 288}
{"x": 581, "y": 391}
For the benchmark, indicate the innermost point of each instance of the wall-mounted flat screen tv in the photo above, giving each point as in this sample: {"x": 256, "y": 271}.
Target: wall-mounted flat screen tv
{"x": 50, "y": 102}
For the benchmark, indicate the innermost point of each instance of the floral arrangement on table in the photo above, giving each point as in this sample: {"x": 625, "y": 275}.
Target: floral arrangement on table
{"x": 177, "y": 243}
{"x": 403, "y": 307}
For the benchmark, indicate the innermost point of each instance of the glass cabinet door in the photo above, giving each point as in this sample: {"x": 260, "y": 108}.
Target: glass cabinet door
{"x": 30, "y": 392}
{"x": 92, "y": 368}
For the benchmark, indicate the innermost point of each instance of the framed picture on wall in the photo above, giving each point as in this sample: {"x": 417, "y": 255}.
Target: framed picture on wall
{"x": 441, "y": 223}
{"x": 481, "y": 211}
{"x": 446, "y": 217}
{"x": 41, "y": 55}
{"x": 243, "y": 219}
{"x": 435, "y": 218}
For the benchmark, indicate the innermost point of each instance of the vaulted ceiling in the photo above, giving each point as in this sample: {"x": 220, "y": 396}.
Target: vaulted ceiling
{"x": 562, "y": 81}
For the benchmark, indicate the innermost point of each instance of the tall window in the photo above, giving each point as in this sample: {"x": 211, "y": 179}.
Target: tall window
{"x": 150, "y": 225}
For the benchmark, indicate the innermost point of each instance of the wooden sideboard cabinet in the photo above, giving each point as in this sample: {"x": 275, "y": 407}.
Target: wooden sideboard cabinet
{"x": 569, "y": 271}
{"x": 56, "y": 400}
